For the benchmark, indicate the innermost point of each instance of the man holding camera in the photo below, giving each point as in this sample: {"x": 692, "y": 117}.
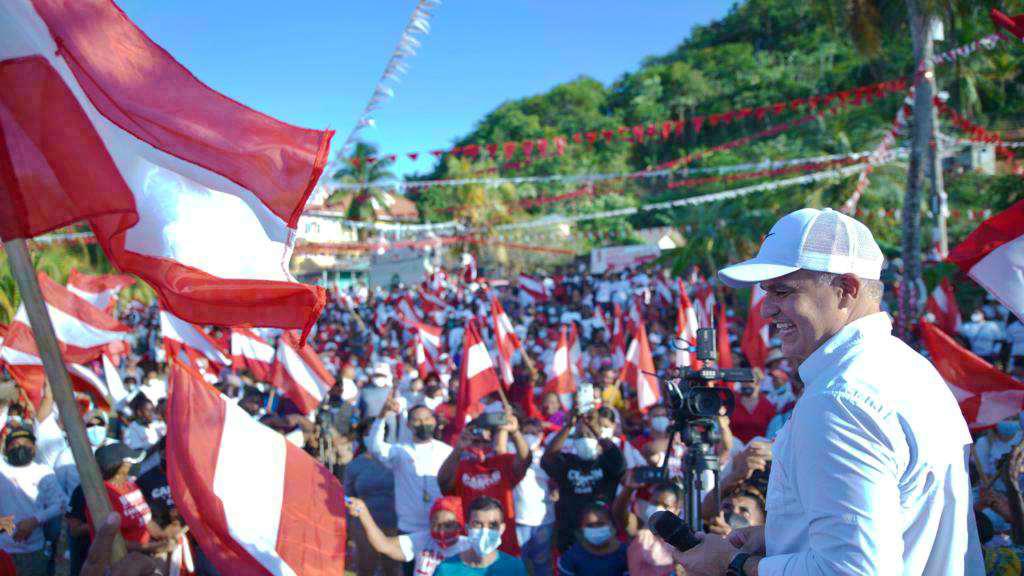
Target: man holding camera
{"x": 480, "y": 466}
{"x": 870, "y": 475}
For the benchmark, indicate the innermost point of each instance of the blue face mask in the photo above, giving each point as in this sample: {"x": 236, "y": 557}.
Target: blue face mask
{"x": 484, "y": 540}
{"x": 597, "y": 535}
{"x": 96, "y": 435}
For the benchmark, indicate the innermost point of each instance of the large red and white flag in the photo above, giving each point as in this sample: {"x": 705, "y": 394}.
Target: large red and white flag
{"x": 187, "y": 189}
{"x": 560, "y": 378}
{"x": 639, "y": 372}
{"x": 184, "y": 337}
{"x": 249, "y": 350}
{"x": 100, "y": 291}
{"x": 505, "y": 340}
{"x": 663, "y": 290}
{"x": 534, "y": 288}
{"x": 83, "y": 332}
{"x": 686, "y": 329}
{"x": 256, "y": 503}
{"x": 428, "y": 348}
{"x": 993, "y": 255}
{"x": 754, "y": 342}
{"x": 477, "y": 377}
{"x": 986, "y": 395}
{"x": 618, "y": 338}
{"x": 300, "y": 373}
{"x": 942, "y": 304}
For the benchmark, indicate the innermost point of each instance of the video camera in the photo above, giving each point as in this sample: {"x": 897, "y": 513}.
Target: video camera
{"x": 690, "y": 395}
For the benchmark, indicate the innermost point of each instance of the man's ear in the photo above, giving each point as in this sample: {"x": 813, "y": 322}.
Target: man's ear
{"x": 849, "y": 287}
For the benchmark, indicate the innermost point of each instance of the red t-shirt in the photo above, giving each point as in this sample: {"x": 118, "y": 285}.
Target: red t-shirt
{"x": 494, "y": 477}
{"x": 747, "y": 425}
{"x": 128, "y": 501}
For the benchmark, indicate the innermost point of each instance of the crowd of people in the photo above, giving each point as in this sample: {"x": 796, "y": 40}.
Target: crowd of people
{"x": 539, "y": 482}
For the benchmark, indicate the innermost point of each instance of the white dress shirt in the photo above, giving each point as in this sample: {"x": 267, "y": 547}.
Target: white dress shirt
{"x": 415, "y": 467}
{"x": 870, "y": 474}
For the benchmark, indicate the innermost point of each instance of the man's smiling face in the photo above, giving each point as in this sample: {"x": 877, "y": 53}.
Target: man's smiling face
{"x": 805, "y": 312}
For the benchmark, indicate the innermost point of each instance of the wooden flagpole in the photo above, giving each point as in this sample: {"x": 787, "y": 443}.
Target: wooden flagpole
{"x": 57, "y": 375}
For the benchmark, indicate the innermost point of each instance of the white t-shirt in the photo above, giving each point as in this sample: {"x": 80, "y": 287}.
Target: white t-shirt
{"x": 27, "y": 491}
{"x": 415, "y": 467}
{"x": 533, "y": 504}
{"x": 427, "y": 553}
{"x": 139, "y": 437}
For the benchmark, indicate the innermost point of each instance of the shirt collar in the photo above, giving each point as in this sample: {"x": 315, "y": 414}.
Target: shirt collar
{"x": 824, "y": 358}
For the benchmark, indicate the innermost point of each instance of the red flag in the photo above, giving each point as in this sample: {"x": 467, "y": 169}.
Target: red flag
{"x": 505, "y": 338}
{"x": 722, "y": 334}
{"x": 560, "y": 378}
{"x": 638, "y": 371}
{"x": 477, "y": 377}
{"x": 985, "y": 394}
{"x": 1014, "y": 25}
{"x": 100, "y": 290}
{"x": 255, "y": 502}
{"x": 300, "y": 373}
{"x": 755, "y": 334}
{"x": 534, "y": 288}
{"x": 993, "y": 255}
{"x": 184, "y": 337}
{"x": 705, "y": 300}
{"x": 686, "y": 329}
{"x": 508, "y": 149}
{"x": 250, "y": 351}
{"x": 942, "y": 304}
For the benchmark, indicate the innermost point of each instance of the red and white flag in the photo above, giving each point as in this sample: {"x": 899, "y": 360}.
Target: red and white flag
{"x": 406, "y": 312}
{"x": 184, "y": 337}
{"x": 704, "y": 300}
{"x": 189, "y": 190}
{"x": 83, "y": 332}
{"x": 249, "y": 350}
{"x": 505, "y": 340}
{"x": 428, "y": 348}
{"x": 469, "y": 272}
{"x": 618, "y": 338}
{"x": 722, "y": 336}
{"x": 993, "y": 255}
{"x": 477, "y": 377}
{"x": 602, "y": 321}
{"x": 300, "y": 373}
{"x": 256, "y": 503}
{"x": 942, "y": 304}
{"x": 663, "y": 290}
{"x": 575, "y": 351}
{"x": 633, "y": 316}
{"x": 754, "y": 342}
{"x": 534, "y": 288}
{"x": 100, "y": 291}
{"x": 985, "y": 394}
{"x": 639, "y": 372}
{"x": 686, "y": 329}
{"x": 560, "y": 378}
{"x": 425, "y": 363}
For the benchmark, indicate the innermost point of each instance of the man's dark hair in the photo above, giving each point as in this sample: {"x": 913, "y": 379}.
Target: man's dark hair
{"x": 669, "y": 487}
{"x": 599, "y": 508}
{"x": 420, "y": 407}
{"x": 607, "y": 413}
{"x": 138, "y": 402}
{"x": 485, "y": 503}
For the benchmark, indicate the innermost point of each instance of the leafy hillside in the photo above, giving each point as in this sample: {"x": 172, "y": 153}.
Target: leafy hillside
{"x": 763, "y": 51}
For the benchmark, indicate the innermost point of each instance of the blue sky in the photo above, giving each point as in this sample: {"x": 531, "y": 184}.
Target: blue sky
{"x": 315, "y": 62}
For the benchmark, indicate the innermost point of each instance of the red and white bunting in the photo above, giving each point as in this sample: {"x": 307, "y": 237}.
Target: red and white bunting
{"x": 942, "y": 304}
{"x": 754, "y": 342}
{"x": 985, "y": 394}
{"x": 534, "y": 288}
{"x": 299, "y": 373}
{"x": 189, "y": 190}
{"x": 993, "y": 255}
{"x": 101, "y": 291}
{"x": 184, "y": 337}
{"x": 256, "y": 503}
{"x": 505, "y": 339}
{"x": 686, "y": 329}
{"x": 477, "y": 377}
{"x": 638, "y": 372}
{"x": 249, "y": 350}
{"x": 560, "y": 379}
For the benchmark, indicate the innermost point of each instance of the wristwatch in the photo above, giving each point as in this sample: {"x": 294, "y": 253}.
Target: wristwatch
{"x": 736, "y": 566}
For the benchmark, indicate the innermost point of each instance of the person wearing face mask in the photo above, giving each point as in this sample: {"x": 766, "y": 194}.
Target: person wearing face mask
{"x": 996, "y": 443}
{"x": 657, "y": 427}
{"x": 481, "y": 465}
{"x": 373, "y": 483}
{"x": 752, "y": 414}
{"x": 425, "y": 550}
{"x": 596, "y": 552}
{"x": 415, "y": 465}
{"x": 484, "y": 526}
{"x": 96, "y": 433}
{"x": 29, "y": 497}
{"x": 635, "y": 498}
{"x": 649, "y": 555}
{"x": 984, "y": 335}
{"x": 535, "y": 512}
{"x": 590, "y": 473}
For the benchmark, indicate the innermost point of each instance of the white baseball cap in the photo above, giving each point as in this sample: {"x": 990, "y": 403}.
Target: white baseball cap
{"x": 810, "y": 239}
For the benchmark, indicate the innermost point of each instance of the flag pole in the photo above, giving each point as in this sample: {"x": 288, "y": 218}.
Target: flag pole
{"x": 57, "y": 375}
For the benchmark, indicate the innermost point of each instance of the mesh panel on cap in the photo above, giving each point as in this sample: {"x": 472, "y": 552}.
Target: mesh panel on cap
{"x": 867, "y": 248}
{"x": 828, "y": 236}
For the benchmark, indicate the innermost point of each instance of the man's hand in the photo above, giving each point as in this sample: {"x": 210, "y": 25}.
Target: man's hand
{"x": 754, "y": 457}
{"x": 709, "y": 558}
{"x": 98, "y": 562}
{"x": 719, "y": 526}
{"x": 24, "y": 529}
{"x": 391, "y": 406}
{"x": 749, "y": 539}
{"x": 511, "y": 424}
{"x": 356, "y": 507}
{"x": 7, "y": 524}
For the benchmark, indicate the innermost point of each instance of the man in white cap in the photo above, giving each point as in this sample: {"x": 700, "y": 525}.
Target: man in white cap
{"x": 870, "y": 475}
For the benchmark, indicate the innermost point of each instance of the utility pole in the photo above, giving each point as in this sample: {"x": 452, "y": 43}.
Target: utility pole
{"x": 920, "y": 155}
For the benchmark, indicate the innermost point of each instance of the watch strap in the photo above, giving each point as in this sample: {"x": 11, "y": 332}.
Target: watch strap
{"x": 736, "y": 566}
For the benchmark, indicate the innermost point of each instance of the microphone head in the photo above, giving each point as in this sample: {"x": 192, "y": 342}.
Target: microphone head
{"x": 672, "y": 530}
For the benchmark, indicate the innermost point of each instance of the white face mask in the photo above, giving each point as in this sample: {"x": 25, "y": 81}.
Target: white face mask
{"x": 532, "y": 440}
{"x": 587, "y": 448}
{"x": 433, "y": 403}
{"x": 607, "y": 433}
{"x": 977, "y": 317}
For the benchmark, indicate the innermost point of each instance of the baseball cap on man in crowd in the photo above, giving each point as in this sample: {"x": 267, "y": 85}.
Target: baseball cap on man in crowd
{"x": 810, "y": 239}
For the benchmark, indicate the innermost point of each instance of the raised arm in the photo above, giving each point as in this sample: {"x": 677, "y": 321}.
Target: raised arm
{"x": 381, "y": 449}
{"x": 446, "y": 474}
{"x": 555, "y": 448}
{"x": 381, "y": 542}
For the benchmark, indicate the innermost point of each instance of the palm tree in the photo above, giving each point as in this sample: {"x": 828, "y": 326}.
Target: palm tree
{"x": 364, "y": 166}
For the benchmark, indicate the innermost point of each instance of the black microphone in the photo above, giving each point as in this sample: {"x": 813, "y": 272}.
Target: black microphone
{"x": 672, "y": 530}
